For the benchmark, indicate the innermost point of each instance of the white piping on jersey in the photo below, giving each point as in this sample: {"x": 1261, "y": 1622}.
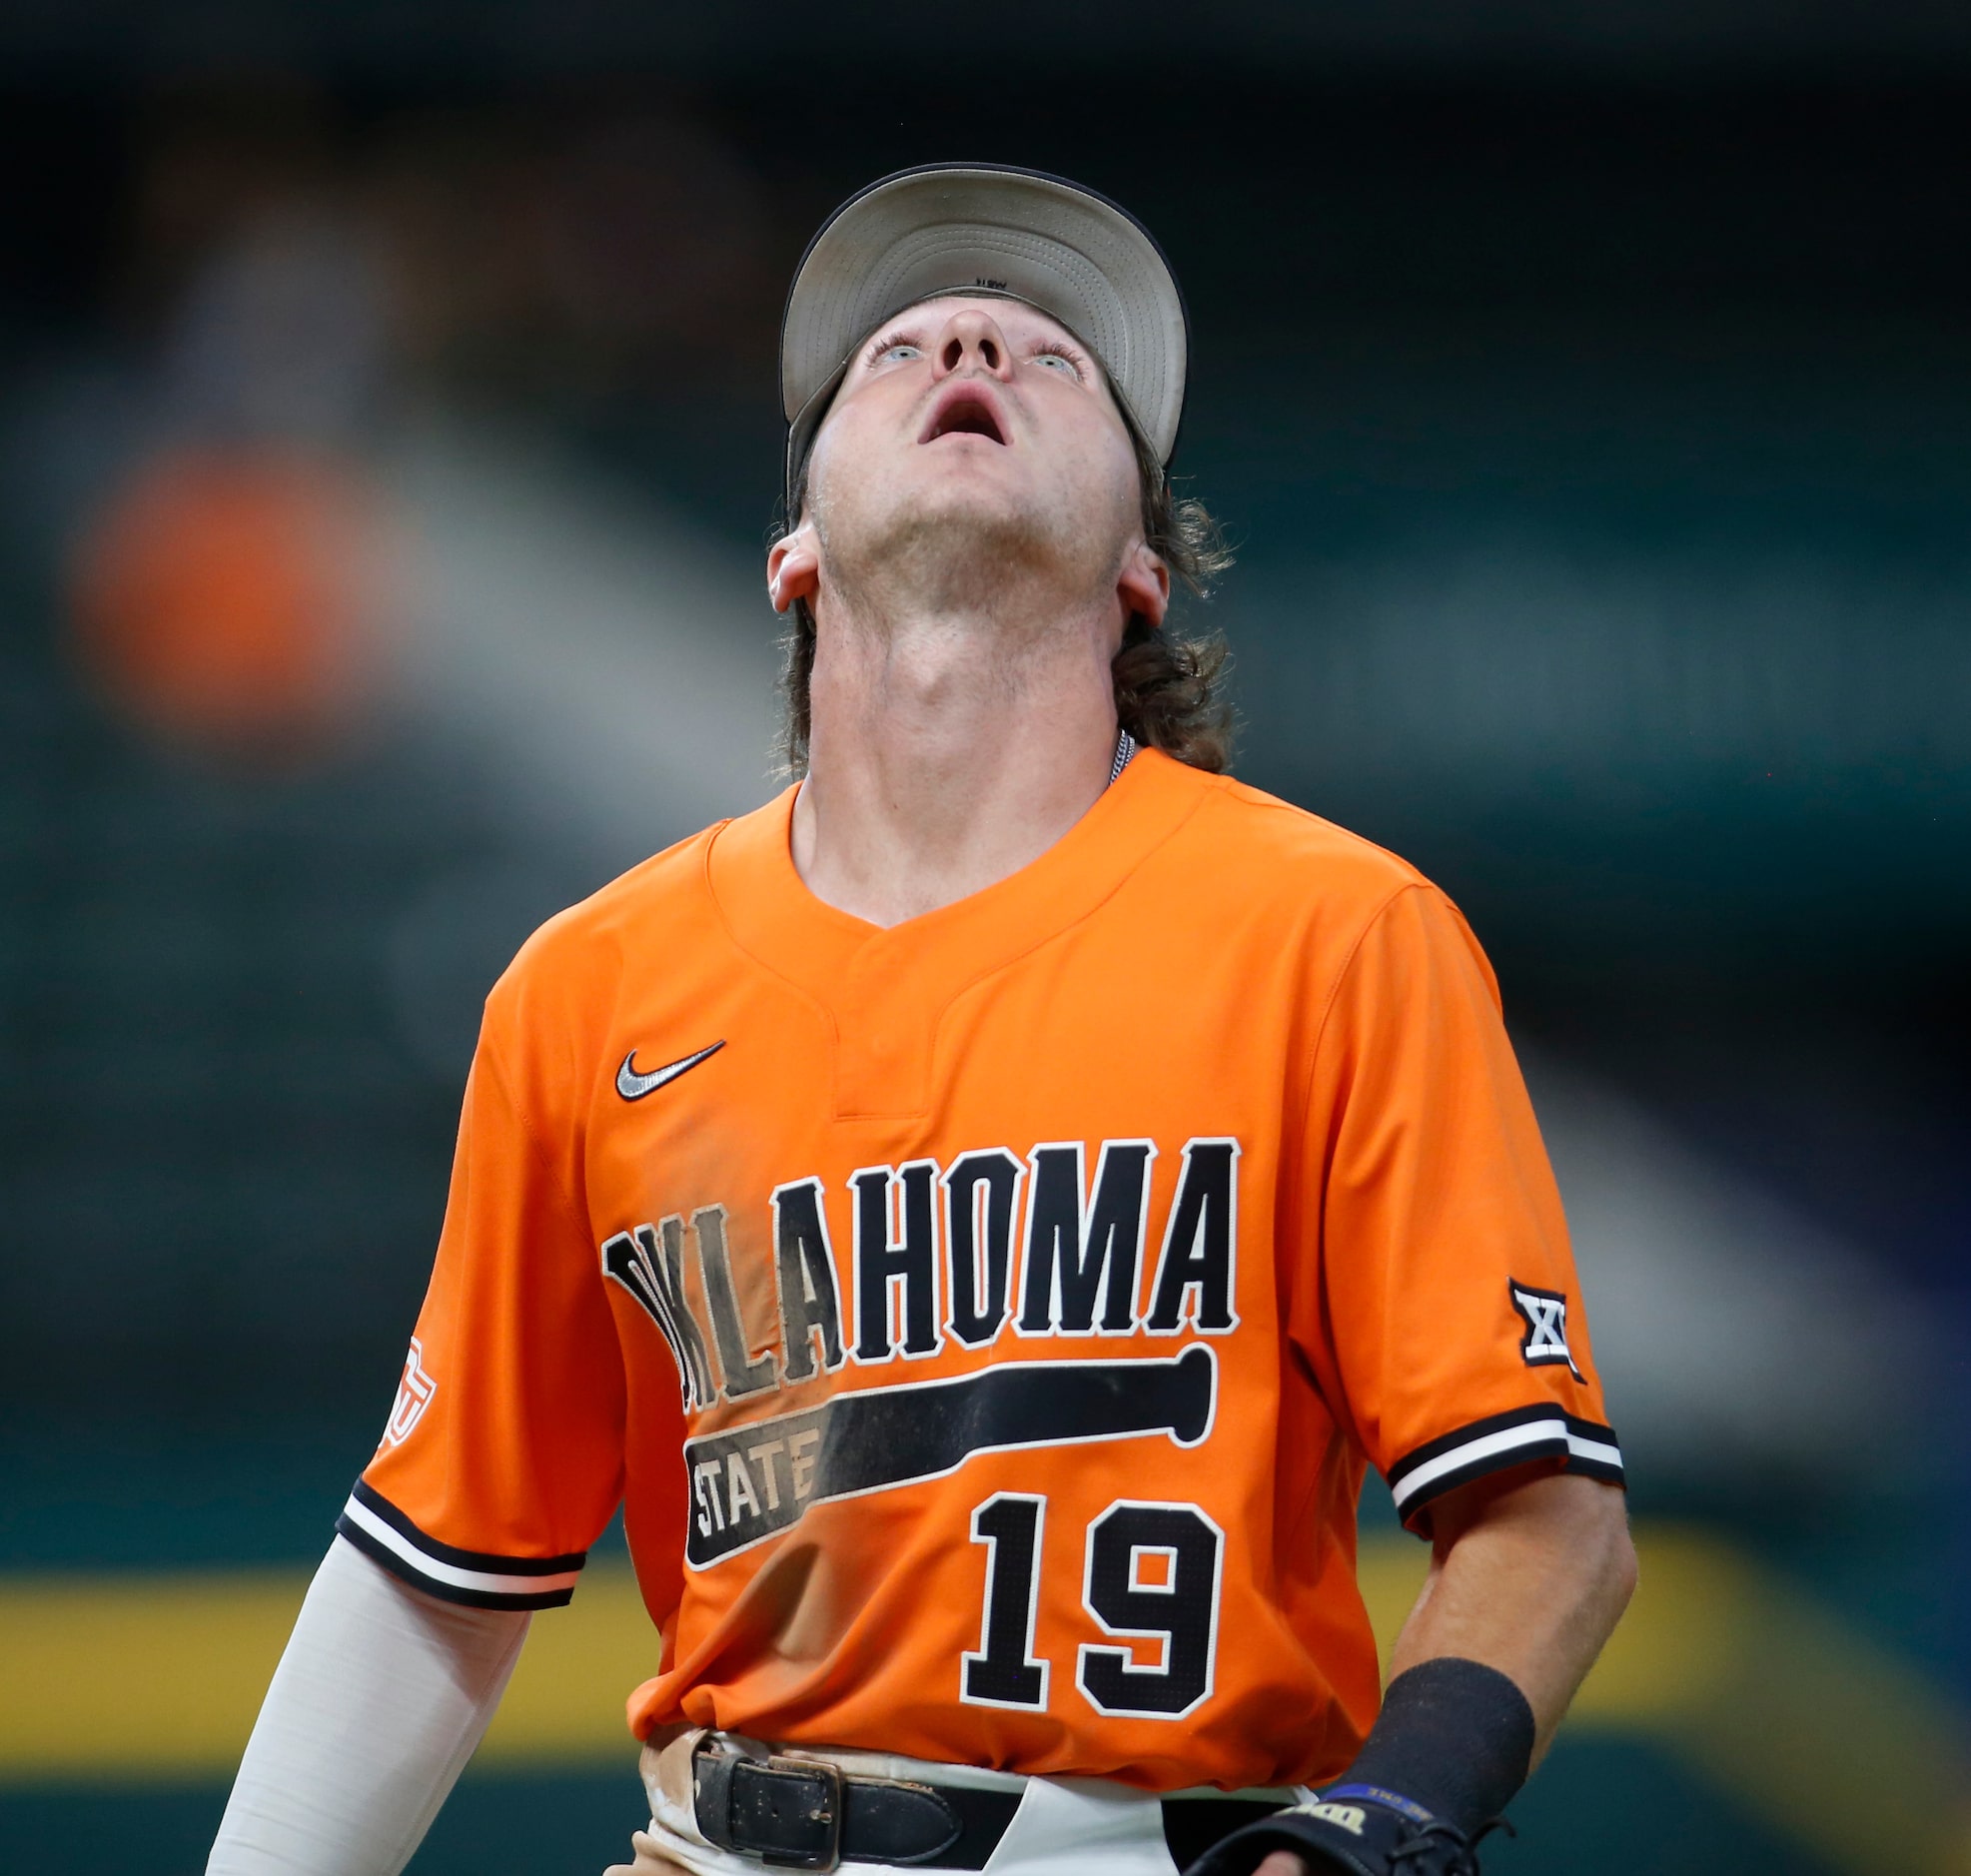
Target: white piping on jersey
{"x": 1509, "y": 1440}
{"x": 496, "y": 1582}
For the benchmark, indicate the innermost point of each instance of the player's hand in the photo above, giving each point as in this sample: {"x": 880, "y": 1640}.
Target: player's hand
{"x": 1357, "y": 1838}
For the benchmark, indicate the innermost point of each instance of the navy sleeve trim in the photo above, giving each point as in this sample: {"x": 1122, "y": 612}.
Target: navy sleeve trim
{"x": 476, "y": 1578}
{"x": 1499, "y": 1443}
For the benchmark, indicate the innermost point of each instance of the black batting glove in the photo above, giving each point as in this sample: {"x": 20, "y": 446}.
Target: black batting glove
{"x": 1352, "y": 1830}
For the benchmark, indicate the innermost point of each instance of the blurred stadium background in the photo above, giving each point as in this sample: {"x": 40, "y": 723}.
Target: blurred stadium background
{"x": 388, "y": 439}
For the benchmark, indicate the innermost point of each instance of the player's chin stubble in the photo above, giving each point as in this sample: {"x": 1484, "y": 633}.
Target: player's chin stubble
{"x": 900, "y": 552}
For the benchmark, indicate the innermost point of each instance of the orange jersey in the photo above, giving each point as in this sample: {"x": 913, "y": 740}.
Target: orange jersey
{"x": 987, "y": 1322}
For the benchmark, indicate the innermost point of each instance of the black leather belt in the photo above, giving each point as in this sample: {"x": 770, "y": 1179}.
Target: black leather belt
{"x": 809, "y": 1814}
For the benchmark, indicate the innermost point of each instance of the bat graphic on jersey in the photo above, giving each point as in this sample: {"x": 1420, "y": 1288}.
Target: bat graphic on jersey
{"x": 758, "y": 1479}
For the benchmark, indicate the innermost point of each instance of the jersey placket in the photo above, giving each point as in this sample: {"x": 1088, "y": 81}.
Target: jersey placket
{"x": 886, "y": 1012}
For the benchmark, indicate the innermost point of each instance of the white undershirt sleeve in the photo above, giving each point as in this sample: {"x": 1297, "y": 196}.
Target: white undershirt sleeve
{"x": 379, "y": 1701}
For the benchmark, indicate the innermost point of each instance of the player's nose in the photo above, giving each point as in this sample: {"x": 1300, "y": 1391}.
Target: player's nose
{"x": 971, "y": 339}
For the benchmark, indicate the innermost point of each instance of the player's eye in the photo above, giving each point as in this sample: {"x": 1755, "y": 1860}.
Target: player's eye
{"x": 895, "y": 350}
{"x": 1058, "y": 359}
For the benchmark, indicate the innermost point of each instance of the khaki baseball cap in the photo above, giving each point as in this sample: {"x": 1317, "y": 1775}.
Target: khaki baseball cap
{"x": 985, "y": 228}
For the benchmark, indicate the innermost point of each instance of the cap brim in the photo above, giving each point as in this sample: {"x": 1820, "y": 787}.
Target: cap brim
{"x": 976, "y": 228}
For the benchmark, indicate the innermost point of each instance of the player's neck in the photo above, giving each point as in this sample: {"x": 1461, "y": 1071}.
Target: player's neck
{"x": 943, "y": 758}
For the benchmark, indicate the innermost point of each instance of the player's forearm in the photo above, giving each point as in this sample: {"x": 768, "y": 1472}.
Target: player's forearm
{"x": 1531, "y": 1582}
{"x": 379, "y": 1701}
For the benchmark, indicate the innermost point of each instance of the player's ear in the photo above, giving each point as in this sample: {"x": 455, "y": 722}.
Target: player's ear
{"x": 794, "y": 567}
{"x": 1143, "y": 585}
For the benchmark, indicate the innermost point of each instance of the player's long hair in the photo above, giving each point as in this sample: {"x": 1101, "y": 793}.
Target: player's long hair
{"x": 1170, "y": 686}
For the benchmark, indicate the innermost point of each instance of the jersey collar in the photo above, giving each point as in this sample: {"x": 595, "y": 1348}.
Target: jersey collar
{"x": 886, "y": 991}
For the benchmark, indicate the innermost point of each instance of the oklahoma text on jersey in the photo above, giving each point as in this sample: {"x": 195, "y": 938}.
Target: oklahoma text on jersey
{"x": 986, "y": 1323}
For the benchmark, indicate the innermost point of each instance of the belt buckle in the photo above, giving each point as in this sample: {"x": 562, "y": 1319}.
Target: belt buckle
{"x": 819, "y": 1815}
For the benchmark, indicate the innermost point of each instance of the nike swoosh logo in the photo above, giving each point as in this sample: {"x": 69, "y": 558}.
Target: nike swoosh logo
{"x": 633, "y": 1087}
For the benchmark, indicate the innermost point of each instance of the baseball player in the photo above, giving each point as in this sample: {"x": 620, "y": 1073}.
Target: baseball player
{"x": 982, "y": 1212}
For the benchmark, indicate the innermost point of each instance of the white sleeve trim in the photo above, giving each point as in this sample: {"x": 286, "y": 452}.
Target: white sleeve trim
{"x": 390, "y": 1536}
{"x": 452, "y": 1576}
{"x": 1503, "y": 1441}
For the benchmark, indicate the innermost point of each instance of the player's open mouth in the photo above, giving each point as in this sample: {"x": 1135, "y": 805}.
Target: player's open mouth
{"x": 964, "y": 412}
